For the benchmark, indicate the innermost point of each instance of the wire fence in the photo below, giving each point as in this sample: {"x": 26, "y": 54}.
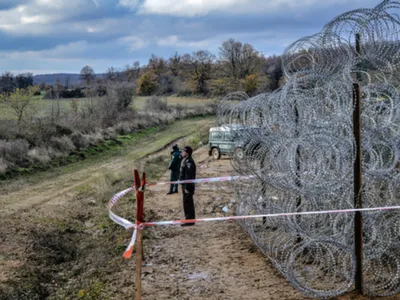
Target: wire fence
{"x": 300, "y": 148}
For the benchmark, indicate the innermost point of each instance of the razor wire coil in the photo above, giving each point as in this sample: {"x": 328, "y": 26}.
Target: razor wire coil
{"x": 298, "y": 142}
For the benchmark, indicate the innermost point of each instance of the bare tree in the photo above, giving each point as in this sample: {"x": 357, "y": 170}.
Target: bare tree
{"x": 229, "y": 52}
{"x": 174, "y": 64}
{"x": 240, "y": 60}
{"x": 7, "y": 82}
{"x": 200, "y": 63}
{"x": 132, "y": 72}
{"x": 22, "y": 81}
{"x": 87, "y": 74}
{"x": 157, "y": 64}
{"x": 111, "y": 74}
{"x": 19, "y": 101}
{"x": 273, "y": 68}
{"x": 249, "y": 61}
{"x": 58, "y": 89}
{"x": 136, "y": 69}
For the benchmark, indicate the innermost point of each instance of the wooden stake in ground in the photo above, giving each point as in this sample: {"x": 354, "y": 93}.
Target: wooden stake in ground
{"x": 358, "y": 220}
{"x": 139, "y": 186}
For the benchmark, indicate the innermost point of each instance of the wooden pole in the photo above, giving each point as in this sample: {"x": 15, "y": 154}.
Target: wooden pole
{"x": 358, "y": 51}
{"x": 358, "y": 221}
{"x": 142, "y": 187}
{"x": 139, "y": 236}
{"x": 298, "y": 173}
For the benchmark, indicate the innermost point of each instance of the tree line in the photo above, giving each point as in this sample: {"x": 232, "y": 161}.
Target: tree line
{"x": 239, "y": 66}
{"x": 9, "y": 82}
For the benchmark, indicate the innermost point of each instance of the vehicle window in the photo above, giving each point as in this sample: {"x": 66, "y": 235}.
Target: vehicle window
{"x": 228, "y": 136}
{"x": 216, "y": 135}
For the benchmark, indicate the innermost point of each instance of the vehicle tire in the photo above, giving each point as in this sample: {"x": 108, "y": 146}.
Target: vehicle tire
{"x": 239, "y": 153}
{"x": 216, "y": 154}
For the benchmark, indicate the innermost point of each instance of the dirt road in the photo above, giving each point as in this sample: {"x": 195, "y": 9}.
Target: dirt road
{"x": 210, "y": 260}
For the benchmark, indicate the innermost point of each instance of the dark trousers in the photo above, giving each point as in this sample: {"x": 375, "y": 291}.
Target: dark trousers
{"x": 188, "y": 205}
{"x": 174, "y": 176}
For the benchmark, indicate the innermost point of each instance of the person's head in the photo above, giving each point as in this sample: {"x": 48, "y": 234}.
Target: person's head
{"x": 175, "y": 147}
{"x": 186, "y": 151}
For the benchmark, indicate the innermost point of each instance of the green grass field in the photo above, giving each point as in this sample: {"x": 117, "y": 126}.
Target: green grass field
{"x": 43, "y": 107}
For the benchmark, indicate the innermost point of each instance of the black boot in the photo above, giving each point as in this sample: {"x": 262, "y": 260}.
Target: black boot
{"x": 188, "y": 224}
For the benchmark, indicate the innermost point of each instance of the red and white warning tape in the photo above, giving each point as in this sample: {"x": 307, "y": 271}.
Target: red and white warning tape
{"x": 205, "y": 180}
{"x": 127, "y": 224}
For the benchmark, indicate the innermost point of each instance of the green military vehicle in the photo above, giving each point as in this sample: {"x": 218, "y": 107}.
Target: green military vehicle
{"x": 226, "y": 140}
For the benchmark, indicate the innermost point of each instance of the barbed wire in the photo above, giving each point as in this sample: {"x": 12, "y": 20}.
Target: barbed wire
{"x": 298, "y": 142}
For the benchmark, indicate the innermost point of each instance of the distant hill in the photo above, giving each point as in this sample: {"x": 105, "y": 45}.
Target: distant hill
{"x": 61, "y": 77}
{"x": 52, "y": 78}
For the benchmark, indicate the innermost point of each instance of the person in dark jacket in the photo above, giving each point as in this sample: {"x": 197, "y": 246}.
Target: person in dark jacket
{"x": 188, "y": 171}
{"x": 174, "y": 167}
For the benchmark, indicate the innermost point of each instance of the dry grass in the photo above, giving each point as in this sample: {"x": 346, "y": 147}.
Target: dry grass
{"x": 45, "y": 107}
{"x": 189, "y": 102}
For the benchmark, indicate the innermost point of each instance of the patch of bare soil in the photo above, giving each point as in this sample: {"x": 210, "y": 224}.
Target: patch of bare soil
{"x": 208, "y": 261}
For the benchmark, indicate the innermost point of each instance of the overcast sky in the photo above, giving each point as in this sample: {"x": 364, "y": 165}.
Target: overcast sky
{"x": 61, "y": 36}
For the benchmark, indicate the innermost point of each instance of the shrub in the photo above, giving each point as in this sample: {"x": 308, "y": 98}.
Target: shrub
{"x": 5, "y": 148}
{"x": 74, "y": 106}
{"x": 63, "y": 144}
{"x": 147, "y": 84}
{"x": 13, "y": 153}
{"x": 183, "y": 89}
{"x": 156, "y": 104}
{"x": 8, "y": 129}
{"x": 62, "y": 130}
{"x": 251, "y": 83}
{"x": 109, "y": 133}
{"x": 166, "y": 85}
{"x": 71, "y": 93}
{"x": 49, "y": 94}
{"x": 3, "y": 166}
{"x": 122, "y": 128}
{"x": 53, "y": 153}
{"x": 179, "y": 109}
{"x": 124, "y": 96}
{"x": 79, "y": 140}
{"x": 95, "y": 138}
{"x": 39, "y": 155}
{"x": 224, "y": 86}
{"x": 18, "y": 152}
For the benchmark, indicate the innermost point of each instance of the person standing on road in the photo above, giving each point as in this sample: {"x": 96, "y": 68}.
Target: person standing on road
{"x": 174, "y": 167}
{"x": 188, "y": 171}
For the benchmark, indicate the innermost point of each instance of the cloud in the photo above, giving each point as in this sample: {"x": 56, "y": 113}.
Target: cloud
{"x": 35, "y": 16}
{"x": 131, "y": 4}
{"x": 55, "y": 4}
{"x": 173, "y": 41}
{"x": 190, "y": 8}
{"x": 185, "y": 7}
{"x": 71, "y": 50}
{"x": 134, "y": 42}
{"x": 7, "y": 4}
